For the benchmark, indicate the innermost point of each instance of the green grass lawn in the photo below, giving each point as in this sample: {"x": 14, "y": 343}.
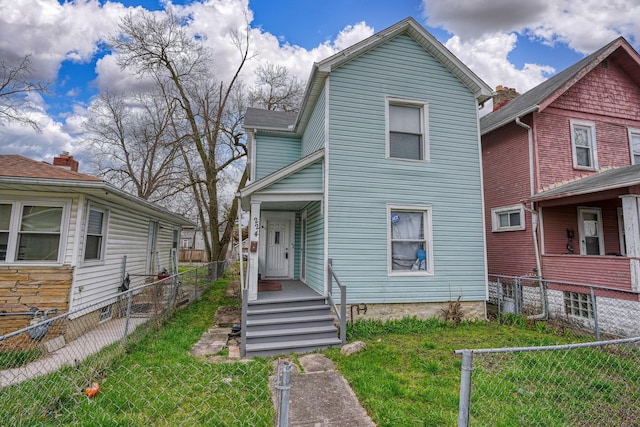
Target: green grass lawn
{"x": 408, "y": 375}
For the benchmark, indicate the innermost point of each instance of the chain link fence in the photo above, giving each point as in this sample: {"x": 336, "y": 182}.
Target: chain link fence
{"x": 125, "y": 361}
{"x": 581, "y": 309}
{"x": 587, "y": 384}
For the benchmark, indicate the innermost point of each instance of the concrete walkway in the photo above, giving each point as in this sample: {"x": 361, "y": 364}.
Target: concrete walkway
{"x": 321, "y": 397}
{"x": 74, "y": 351}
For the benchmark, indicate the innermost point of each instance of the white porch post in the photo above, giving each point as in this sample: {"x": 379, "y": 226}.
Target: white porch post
{"x": 254, "y": 243}
{"x": 631, "y": 214}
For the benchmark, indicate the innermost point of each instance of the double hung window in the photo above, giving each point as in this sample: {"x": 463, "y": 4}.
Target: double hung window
{"x": 94, "y": 240}
{"x": 410, "y": 245}
{"x": 583, "y": 142}
{"x": 406, "y": 130}
{"x": 634, "y": 141}
{"x": 31, "y": 231}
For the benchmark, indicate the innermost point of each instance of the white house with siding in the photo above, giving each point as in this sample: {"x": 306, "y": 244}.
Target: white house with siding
{"x": 64, "y": 237}
{"x": 380, "y": 172}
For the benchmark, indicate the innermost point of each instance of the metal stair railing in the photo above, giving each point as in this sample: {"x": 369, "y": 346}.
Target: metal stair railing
{"x": 342, "y": 314}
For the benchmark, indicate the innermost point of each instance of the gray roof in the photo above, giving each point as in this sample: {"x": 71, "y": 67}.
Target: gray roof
{"x": 608, "y": 180}
{"x": 529, "y": 101}
{"x": 267, "y": 119}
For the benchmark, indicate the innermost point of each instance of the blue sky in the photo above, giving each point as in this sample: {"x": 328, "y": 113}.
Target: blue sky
{"x": 515, "y": 44}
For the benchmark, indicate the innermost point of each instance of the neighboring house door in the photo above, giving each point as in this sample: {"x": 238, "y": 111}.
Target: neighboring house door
{"x": 590, "y": 226}
{"x": 277, "y": 255}
{"x": 152, "y": 254}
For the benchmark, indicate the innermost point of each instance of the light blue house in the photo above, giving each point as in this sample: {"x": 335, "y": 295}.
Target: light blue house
{"x": 380, "y": 173}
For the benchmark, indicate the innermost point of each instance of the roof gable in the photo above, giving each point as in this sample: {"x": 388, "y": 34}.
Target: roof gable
{"x": 322, "y": 69}
{"x": 548, "y": 91}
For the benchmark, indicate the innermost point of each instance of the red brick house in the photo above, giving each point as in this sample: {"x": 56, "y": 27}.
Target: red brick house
{"x": 562, "y": 175}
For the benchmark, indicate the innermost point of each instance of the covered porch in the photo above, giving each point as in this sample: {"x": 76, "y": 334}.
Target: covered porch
{"x": 590, "y": 229}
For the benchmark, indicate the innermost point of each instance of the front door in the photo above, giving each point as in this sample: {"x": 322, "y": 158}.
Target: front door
{"x": 277, "y": 262}
{"x": 590, "y": 225}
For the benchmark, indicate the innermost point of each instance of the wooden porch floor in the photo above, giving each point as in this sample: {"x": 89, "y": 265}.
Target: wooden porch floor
{"x": 291, "y": 289}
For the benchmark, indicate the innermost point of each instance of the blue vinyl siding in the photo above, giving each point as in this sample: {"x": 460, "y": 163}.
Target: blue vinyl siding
{"x": 362, "y": 181}
{"x": 307, "y": 179}
{"x": 313, "y": 137}
{"x": 315, "y": 247}
{"x": 275, "y": 152}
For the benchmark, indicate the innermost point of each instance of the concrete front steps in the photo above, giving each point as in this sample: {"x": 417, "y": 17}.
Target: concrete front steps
{"x": 299, "y": 325}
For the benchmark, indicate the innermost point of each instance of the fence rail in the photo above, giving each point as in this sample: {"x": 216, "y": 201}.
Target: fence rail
{"x": 57, "y": 358}
{"x": 603, "y": 311}
{"x": 593, "y": 383}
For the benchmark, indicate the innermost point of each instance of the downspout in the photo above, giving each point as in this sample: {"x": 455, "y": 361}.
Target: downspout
{"x": 534, "y": 223}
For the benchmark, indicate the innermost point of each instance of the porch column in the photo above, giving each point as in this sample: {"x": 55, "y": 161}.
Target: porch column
{"x": 631, "y": 215}
{"x": 254, "y": 242}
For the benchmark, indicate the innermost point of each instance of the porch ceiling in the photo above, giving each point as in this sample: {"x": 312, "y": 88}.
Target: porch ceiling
{"x": 611, "y": 179}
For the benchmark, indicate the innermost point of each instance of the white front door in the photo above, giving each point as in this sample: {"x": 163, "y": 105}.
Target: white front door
{"x": 590, "y": 226}
{"x": 278, "y": 253}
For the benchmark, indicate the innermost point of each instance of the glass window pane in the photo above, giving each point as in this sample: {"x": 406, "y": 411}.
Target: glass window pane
{"x": 404, "y": 119}
{"x": 504, "y": 220}
{"x": 41, "y": 218}
{"x": 514, "y": 219}
{"x": 92, "y": 247}
{"x": 95, "y": 222}
{"x": 4, "y": 241}
{"x": 5, "y": 216}
{"x": 407, "y": 225}
{"x": 405, "y": 254}
{"x": 582, "y": 136}
{"x": 583, "y": 156}
{"x": 405, "y": 146}
{"x": 38, "y": 247}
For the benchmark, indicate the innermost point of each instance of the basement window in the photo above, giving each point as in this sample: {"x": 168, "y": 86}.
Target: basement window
{"x": 579, "y": 305}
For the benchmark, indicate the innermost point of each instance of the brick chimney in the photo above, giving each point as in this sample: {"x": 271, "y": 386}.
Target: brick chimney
{"x": 502, "y": 96}
{"x": 64, "y": 160}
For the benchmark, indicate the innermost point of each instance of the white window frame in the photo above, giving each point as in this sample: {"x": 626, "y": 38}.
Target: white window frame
{"x": 428, "y": 236}
{"x": 103, "y": 242}
{"x": 424, "y": 126}
{"x": 593, "y": 150}
{"x": 495, "y": 218}
{"x": 621, "y": 235}
{"x": 581, "y": 229}
{"x": 15, "y": 223}
{"x": 632, "y": 133}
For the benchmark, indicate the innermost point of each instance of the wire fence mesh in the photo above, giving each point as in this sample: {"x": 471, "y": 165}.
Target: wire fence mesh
{"x": 126, "y": 361}
{"x": 576, "y": 308}
{"x": 588, "y": 384}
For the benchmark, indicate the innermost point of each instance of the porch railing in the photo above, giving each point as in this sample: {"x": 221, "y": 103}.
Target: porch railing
{"x": 342, "y": 314}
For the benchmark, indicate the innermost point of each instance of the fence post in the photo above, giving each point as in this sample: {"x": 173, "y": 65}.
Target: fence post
{"x": 594, "y": 306}
{"x": 465, "y": 388}
{"x": 518, "y": 296}
{"x": 285, "y": 388}
{"x": 126, "y": 322}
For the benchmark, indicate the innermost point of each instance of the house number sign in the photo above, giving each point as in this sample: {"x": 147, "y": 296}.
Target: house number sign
{"x": 256, "y": 226}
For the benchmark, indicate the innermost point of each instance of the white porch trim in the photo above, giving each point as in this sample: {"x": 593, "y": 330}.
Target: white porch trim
{"x": 631, "y": 214}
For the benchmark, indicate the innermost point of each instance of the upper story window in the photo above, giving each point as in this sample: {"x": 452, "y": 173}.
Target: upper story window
{"x": 407, "y": 136}
{"x": 31, "y": 231}
{"x": 634, "y": 140}
{"x": 508, "y": 218}
{"x": 583, "y": 143}
{"x": 96, "y": 230}
{"x": 410, "y": 243}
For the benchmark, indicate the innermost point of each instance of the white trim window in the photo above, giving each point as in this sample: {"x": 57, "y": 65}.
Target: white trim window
{"x": 507, "y": 218}
{"x": 406, "y": 130}
{"x": 410, "y": 245}
{"x": 583, "y": 145}
{"x": 32, "y": 231}
{"x": 96, "y": 230}
{"x": 621, "y": 235}
{"x": 634, "y": 146}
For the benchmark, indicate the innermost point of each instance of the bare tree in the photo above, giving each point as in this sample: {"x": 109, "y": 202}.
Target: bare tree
{"x": 203, "y": 124}
{"x": 276, "y": 89}
{"x": 16, "y": 85}
{"x": 133, "y": 146}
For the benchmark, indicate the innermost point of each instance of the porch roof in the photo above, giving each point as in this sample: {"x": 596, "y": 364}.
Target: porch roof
{"x": 250, "y": 190}
{"x": 611, "y": 179}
